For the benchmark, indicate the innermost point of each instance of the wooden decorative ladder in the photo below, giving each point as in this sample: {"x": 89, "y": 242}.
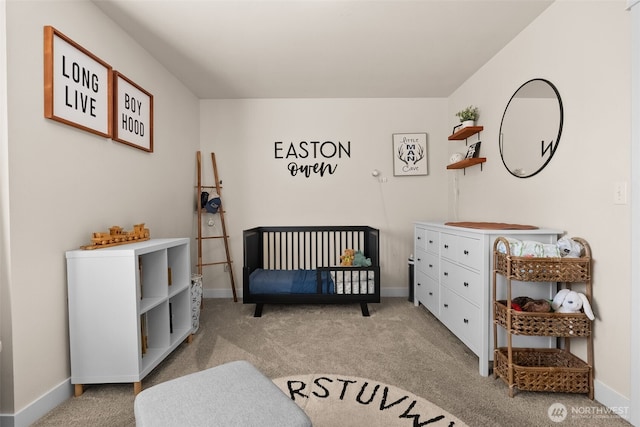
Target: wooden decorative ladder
{"x": 225, "y": 236}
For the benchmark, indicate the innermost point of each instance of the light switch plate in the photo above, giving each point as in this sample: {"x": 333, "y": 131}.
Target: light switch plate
{"x": 620, "y": 193}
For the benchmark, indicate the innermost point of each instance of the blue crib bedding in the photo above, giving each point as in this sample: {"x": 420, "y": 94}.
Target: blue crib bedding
{"x": 288, "y": 282}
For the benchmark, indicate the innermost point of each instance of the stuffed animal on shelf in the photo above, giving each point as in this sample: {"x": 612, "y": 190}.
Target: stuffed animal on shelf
{"x": 531, "y": 305}
{"x": 346, "y": 259}
{"x": 359, "y": 260}
{"x": 569, "y": 248}
{"x": 568, "y": 301}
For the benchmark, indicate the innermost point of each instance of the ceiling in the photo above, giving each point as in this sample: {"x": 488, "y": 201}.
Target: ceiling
{"x": 224, "y": 49}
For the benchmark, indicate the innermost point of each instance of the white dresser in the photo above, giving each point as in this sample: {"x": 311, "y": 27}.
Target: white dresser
{"x": 453, "y": 273}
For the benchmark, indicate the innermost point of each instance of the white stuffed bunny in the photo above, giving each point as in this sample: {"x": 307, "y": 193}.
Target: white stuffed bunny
{"x": 568, "y": 301}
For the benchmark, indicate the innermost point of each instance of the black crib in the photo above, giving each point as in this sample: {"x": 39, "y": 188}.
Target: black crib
{"x": 301, "y": 265}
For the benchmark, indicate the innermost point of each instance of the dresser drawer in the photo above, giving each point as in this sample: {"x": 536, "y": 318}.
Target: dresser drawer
{"x": 426, "y": 291}
{"x": 448, "y": 246}
{"x": 427, "y": 263}
{"x": 420, "y": 238}
{"x": 469, "y": 252}
{"x": 433, "y": 242}
{"x": 464, "y": 282}
{"x": 462, "y": 318}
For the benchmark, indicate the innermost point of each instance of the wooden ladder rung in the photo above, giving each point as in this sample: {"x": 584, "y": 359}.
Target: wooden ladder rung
{"x": 210, "y": 186}
{"x": 212, "y": 237}
{"x": 216, "y": 263}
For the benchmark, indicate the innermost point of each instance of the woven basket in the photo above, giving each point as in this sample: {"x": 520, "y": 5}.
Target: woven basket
{"x": 530, "y": 269}
{"x": 551, "y": 370}
{"x": 543, "y": 324}
{"x": 543, "y": 269}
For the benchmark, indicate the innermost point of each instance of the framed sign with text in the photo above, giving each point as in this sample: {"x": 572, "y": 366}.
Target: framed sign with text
{"x": 133, "y": 114}
{"x": 409, "y": 154}
{"x": 77, "y": 85}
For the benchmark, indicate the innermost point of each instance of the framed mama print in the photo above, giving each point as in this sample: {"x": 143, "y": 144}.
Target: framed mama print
{"x": 133, "y": 114}
{"x": 77, "y": 85}
{"x": 409, "y": 154}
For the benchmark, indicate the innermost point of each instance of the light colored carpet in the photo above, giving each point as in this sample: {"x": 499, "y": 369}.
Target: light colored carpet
{"x": 399, "y": 344}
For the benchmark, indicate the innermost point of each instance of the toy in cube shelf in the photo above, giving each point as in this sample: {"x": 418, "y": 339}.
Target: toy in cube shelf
{"x": 117, "y": 236}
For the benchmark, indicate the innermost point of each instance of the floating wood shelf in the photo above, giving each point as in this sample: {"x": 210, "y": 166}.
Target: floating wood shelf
{"x": 465, "y": 133}
{"x": 467, "y": 162}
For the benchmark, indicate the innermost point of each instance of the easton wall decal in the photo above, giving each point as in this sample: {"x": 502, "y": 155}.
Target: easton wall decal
{"x": 299, "y": 154}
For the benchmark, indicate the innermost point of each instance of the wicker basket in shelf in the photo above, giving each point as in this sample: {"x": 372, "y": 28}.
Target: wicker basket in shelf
{"x": 543, "y": 324}
{"x": 544, "y": 269}
{"x": 551, "y": 370}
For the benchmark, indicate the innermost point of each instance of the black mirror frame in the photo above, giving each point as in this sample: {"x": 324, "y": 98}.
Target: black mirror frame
{"x": 553, "y": 148}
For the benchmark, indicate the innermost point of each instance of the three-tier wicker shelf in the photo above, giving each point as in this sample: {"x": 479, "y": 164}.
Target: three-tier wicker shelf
{"x": 542, "y": 369}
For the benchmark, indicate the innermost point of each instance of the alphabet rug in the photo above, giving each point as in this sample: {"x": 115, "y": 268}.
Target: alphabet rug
{"x": 341, "y": 400}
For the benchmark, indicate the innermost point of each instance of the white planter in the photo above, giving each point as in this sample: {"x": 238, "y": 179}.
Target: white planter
{"x": 468, "y": 123}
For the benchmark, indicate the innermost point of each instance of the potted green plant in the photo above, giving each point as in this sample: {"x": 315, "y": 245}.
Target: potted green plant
{"x": 468, "y": 116}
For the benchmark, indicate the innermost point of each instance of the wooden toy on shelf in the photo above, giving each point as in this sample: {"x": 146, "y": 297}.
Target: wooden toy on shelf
{"x": 117, "y": 236}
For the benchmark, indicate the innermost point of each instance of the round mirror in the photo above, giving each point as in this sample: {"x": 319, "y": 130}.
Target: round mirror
{"x": 530, "y": 128}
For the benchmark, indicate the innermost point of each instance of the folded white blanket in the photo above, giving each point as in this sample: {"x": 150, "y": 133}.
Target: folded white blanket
{"x": 529, "y": 248}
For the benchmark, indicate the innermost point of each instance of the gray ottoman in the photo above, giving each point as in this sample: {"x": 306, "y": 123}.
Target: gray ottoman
{"x": 233, "y": 394}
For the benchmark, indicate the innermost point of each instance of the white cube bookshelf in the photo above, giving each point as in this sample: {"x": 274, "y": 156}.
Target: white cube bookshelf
{"x": 129, "y": 307}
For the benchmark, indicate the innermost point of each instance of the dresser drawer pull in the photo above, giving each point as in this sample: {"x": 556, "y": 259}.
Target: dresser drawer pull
{"x": 430, "y": 294}
{"x": 446, "y": 305}
{"x": 431, "y": 242}
{"x": 430, "y": 265}
{"x": 466, "y": 320}
{"x": 418, "y": 237}
{"x": 418, "y": 284}
{"x": 446, "y": 274}
{"x": 466, "y": 284}
{"x": 466, "y": 252}
{"x": 446, "y": 246}
{"x": 419, "y": 259}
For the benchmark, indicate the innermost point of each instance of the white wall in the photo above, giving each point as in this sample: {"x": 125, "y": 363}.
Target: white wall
{"x": 259, "y": 190}
{"x": 65, "y": 183}
{"x": 584, "y": 49}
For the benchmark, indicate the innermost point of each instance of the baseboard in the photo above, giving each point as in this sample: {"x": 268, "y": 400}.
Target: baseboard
{"x": 227, "y": 293}
{"x": 39, "y": 407}
{"x": 614, "y": 401}
{"x": 220, "y": 293}
{"x": 402, "y": 292}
